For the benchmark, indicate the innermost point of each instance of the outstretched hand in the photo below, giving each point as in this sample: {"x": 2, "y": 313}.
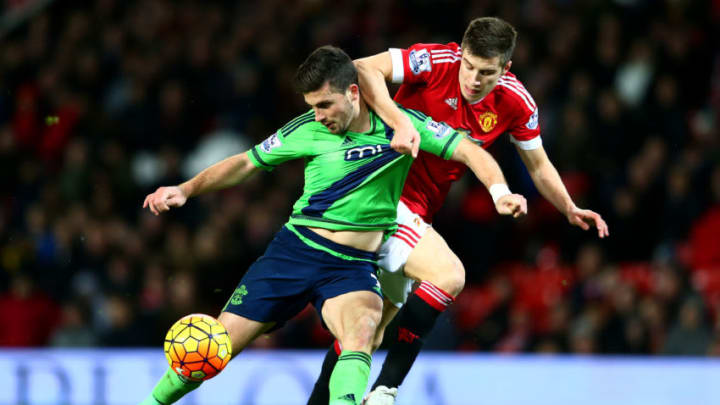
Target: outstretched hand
{"x": 586, "y": 219}
{"x": 511, "y": 204}
{"x": 163, "y": 198}
{"x": 406, "y": 141}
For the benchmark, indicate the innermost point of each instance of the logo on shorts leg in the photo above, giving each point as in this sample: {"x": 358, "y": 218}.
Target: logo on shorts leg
{"x": 377, "y": 287}
{"x": 238, "y": 295}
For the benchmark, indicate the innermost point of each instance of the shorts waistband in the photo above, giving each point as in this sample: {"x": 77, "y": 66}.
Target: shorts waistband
{"x": 343, "y": 249}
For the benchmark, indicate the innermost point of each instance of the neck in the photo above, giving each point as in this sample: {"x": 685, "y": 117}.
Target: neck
{"x": 361, "y": 122}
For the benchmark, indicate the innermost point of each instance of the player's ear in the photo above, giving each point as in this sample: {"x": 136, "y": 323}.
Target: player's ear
{"x": 506, "y": 68}
{"x": 354, "y": 92}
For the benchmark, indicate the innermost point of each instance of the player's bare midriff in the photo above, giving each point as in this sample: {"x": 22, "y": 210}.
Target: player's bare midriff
{"x": 363, "y": 240}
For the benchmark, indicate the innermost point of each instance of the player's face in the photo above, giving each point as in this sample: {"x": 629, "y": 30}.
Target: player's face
{"x": 478, "y": 76}
{"x": 333, "y": 109}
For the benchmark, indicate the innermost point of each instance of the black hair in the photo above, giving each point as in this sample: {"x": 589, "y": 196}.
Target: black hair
{"x": 488, "y": 37}
{"x": 326, "y": 64}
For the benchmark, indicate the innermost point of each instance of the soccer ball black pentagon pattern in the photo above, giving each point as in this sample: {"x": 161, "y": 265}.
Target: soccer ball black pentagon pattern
{"x": 197, "y": 347}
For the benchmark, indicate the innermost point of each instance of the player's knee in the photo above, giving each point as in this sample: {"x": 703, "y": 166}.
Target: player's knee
{"x": 451, "y": 277}
{"x": 456, "y": 278}
{"x": 362, "y": 335}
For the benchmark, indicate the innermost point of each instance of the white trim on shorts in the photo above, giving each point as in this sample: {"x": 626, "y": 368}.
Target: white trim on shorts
{"x": 394, "y": 253}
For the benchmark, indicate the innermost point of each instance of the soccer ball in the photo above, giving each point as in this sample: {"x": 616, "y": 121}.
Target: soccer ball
{"x": 197, "y": 347}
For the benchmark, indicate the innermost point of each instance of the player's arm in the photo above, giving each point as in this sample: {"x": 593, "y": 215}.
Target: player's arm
{"x": 548, "y": 182}
{"x": 373, "y": 73}
{"x": 223, "y": 174}
{"x": 486, "y": 169}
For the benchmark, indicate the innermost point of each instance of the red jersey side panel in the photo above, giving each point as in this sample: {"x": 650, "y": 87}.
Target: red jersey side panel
{"x": 429, "y": 77}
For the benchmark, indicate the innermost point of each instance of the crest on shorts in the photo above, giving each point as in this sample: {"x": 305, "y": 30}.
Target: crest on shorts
{"x": 487, "y": 121}
{"x": 237, "y": 296}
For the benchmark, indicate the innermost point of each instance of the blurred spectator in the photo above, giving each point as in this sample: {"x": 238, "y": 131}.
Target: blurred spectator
{"x": 121, "y": 326}
{"x": 689, "y": 336}
{"x": 28, "y": 315}
{"x": 75, "y": 328}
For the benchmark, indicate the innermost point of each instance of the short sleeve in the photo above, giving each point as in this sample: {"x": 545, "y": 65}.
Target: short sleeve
{"x": 288, "y": 143}
{"x": 525, "y": 129}
{"x": 422, "y": 63}
{"x": 526, "y": 133}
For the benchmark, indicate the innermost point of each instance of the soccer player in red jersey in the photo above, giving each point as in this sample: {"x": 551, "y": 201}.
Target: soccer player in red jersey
{"x": 469, "y": 87}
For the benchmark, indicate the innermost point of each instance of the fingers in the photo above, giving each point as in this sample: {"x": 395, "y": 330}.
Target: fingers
{"x": 517, "y": 210}
{"x": 523, "y": 205}
{"x": 161, "y": 205}
{"x": 406, "y": 142}
{"x": 512, "y": 204}
{"x": 157, "y": 202}
{"x": 586, "y": 218}
{"x": 149, "y": 203}
{"x": 593, "y": 218}
{"x": 405, "y": 147}
{"x": 399, "y": 147}
{"x": 582, "y": 224}
{"x": 602, "y": 227}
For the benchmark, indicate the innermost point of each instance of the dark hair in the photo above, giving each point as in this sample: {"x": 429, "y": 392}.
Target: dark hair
{"x": 326, "y": 64}
{"x": 488, "y": 37}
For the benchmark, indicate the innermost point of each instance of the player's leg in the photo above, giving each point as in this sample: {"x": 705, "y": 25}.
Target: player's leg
{"x": 442, "y": 278}
{"x": 172, "y": 386}
{"x": 393, "y": 255}
{"x": 353, "y": 319}
{"x": 258, "y": 305}
{"x": 346, "y": 293}
{"x": 242, "y": 331}
{"x": 388, "y": 314}
{"x": 320, "y": 394}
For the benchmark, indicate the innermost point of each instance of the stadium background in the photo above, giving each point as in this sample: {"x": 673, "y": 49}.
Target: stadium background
{"x": 102, "y": 101}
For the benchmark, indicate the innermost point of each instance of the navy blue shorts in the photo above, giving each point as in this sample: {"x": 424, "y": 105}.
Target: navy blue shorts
{"x": 291, "y": 274}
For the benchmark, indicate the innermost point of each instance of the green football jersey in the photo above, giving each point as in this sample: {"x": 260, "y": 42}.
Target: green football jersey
{"x": 353, "y": 181}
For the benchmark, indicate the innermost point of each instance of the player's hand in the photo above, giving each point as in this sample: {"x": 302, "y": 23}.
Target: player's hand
{"x": 406, "y": 141}
{"x": 163, "y": 198}
{"x": 586, "y": 218}
{"x": 512, "y": 204}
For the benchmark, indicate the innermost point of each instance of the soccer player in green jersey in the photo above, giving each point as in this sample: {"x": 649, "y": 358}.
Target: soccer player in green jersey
{"x": 326, "y": 252}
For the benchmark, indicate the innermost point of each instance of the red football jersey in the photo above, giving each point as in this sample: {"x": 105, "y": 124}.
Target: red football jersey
{"x": 430, "y": 83}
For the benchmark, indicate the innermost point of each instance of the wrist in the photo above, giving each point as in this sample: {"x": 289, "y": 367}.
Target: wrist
{"x": 570, "y": 208}
{"x": 498, "y": 191}
{"x": 400, "y": 121}
{"x": 185, "y": 189}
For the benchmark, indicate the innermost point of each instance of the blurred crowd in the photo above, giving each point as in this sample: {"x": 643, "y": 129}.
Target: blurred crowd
{"x": 102, "y": 101}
